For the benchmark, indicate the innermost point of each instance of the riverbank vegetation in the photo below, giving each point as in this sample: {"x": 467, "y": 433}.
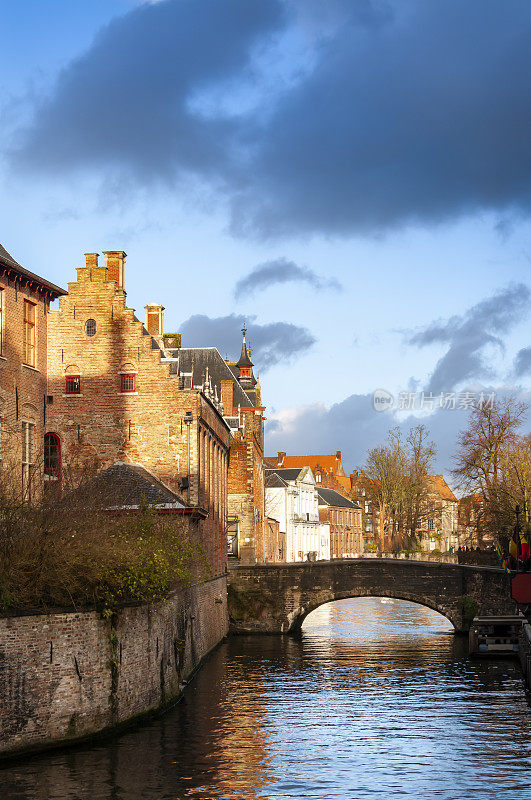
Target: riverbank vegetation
{"x": 493, "y": 462}
{"x": 69, "y": 553}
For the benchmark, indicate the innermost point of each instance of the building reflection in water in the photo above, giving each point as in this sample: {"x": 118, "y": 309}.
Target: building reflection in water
{"x": 374, "y": 696}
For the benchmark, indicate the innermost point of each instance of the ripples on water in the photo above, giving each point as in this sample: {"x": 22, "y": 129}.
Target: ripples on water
{"x": 377, "y": 699}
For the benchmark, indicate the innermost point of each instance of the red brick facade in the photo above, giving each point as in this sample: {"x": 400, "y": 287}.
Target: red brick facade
{"x": 99, "y": 387}
{"x": 246, "y": 478}
{"x": 128, "y": 404}
{"x": 24, "y": 312}
{"x": 346, "y": 540}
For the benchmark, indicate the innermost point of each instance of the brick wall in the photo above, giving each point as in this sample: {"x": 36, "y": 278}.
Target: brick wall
{"x": 67, "y": 675}
{"x": 103, "y": 424}
{"x": 246, "y": 484}
{"x": 346, "y": 538}
{"x": 22, "y": 387}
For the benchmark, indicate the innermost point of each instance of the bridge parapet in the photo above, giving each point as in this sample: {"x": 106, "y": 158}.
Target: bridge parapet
{"x": 276, "y": 598}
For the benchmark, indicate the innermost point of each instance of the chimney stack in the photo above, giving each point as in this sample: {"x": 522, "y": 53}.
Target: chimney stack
{"x": 91, "y": 260}
{"x": 154, "y": 319}
{"x": 114, "y": 264}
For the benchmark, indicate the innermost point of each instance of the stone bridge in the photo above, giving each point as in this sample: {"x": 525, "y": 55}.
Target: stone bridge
{"x": 275, "y": 598}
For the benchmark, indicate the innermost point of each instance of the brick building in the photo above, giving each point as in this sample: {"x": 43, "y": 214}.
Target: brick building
{"x": 117, "y": 395}
{"x": 24, "y": 313}
{"x": 89, "y": 385}
{"x": 329, "y": 473}
{"x": 327, "y": 468}
{"x": 235, "y": 386}
{"x": 275, "y": 541}
{"x": 475, "y": 529}
{"x": 439, "y": 529}
{"x": 374, "y": 521}
{"x": 345, "y": 520}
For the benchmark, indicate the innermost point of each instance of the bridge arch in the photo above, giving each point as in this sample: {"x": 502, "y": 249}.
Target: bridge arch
{"x": 276, "y": 598}
{"x": 303, "y": 611}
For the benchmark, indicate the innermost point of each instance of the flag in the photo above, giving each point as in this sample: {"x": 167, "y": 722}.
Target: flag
{"x": 515, "y": 546}
{"x": 500, "y": 555}
{"x": 524, "y": 546}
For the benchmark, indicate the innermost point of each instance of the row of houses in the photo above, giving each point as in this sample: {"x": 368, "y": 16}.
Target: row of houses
{"x": 88, "y": 388}
{"x": 447, "y": 524}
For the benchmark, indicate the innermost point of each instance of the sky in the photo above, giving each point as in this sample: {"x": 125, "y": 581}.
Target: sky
{"x": 352, "y": 179}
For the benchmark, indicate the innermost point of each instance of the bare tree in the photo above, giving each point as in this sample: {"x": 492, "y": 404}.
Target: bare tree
{"x": 494, "y": 462}
{"x": 399, "y": 474}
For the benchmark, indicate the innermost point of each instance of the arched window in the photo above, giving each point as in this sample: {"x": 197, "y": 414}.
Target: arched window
{"x": 90, "y": 327}
{"x": 52, "y": 460}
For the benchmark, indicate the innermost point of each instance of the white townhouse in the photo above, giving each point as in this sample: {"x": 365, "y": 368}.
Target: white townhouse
{"x": 291, "y": 498}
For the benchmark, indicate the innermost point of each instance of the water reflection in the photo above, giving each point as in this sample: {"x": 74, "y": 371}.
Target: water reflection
{"x": 375, "y": 700}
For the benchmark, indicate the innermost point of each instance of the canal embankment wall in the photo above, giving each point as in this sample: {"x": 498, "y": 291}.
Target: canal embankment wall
{"x": 68, "y": 675}
{"x": 524, "y": 651}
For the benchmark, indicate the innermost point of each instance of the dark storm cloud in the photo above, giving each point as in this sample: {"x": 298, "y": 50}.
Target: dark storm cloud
{"x": 410, "y": 111}
{"x": 270, "y": 343}
{"x": 468, "y": 335}
{"x": 522, "y": 362}
{"x": 420, "y": 119}
{"x": 353, "y": 426}
{"x": 280, "y": 271}
{"x": 125, "y": 101}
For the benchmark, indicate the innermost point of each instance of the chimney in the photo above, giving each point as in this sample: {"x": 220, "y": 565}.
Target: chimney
{"x": 91, "y": 260}
{"x": 338, "y": 455}
{"x": 281, "y": 457}
{"x": 227, "y": 397}
{"x": 154, "y": 319}
{"x": 114, "y": 264}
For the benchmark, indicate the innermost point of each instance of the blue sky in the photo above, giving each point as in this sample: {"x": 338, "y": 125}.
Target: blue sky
{"x": 352, "y": 178}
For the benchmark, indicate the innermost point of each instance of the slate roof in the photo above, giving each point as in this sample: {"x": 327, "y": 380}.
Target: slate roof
{"x": 286, "y": 474}
{"x": 7, "y": 260}
{"x": 330, "y": 497}
{"x": 274, "y": 481}
{"x": 128, "y": 486}
{"x": 245, "y": 361}
{"x": 218, "y": 370}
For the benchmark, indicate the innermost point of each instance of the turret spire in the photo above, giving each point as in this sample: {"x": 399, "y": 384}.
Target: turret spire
{"x": 245, "y": 362}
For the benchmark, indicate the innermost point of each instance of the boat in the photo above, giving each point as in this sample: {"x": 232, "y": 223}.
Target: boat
{"x": 495, "y": 636}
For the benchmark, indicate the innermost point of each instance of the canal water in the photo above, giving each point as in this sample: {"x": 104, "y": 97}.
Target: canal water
{"x": 376, "y": 700}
